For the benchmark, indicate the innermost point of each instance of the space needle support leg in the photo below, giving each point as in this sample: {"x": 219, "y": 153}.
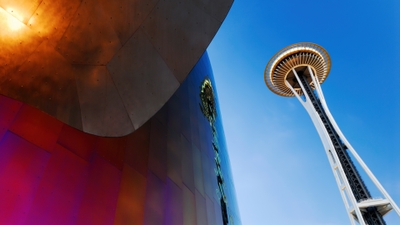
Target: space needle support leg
{"x": 350, "y": 148}
{"x": 337, "y": 169}
{"x": 332, "y": 160}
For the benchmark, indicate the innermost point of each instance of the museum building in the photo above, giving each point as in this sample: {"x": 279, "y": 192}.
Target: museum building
{"x": 109, "y": 114}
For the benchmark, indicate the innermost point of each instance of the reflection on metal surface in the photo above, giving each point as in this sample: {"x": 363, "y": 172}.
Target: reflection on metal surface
{"x": 208, "y": 100}
{"x": 209, "y": 110}
{"x": 162, "y": 173}
{"x": 14, "y": 20}
{"x": 45, "y": 45}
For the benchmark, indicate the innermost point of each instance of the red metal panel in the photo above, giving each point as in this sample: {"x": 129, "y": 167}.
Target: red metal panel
{"x": 155, "y": 196}
{"x": 101, "y": 194}
{"x": 112, "y": 150}
{"x": 22, "y": 165}
{"x": 61, "y": 189}
{"x": 76, "y": 141}
{"x": 137, "y": 149}
{"x": 8, "y": 109}
{"x": 37, "y": 127}
{"x": 131, "y": 198}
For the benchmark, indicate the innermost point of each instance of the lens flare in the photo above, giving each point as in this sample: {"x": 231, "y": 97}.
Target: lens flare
{"x": 14, "y": 20}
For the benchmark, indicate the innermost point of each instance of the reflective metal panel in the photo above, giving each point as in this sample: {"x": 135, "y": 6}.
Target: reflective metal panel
{"x": 52, "y": 173}
{"x": 180, "y": 31}
{"x": 149, "y": 47}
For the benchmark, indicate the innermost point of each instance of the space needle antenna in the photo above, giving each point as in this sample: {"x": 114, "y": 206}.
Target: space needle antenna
{"x": 299, "y": 70}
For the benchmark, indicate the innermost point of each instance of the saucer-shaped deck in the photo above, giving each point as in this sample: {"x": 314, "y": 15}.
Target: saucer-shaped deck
{"x": 297, "y": 56}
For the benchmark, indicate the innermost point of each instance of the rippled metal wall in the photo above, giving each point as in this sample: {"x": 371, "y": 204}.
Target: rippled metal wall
{"x": 102, "y": 66}
{"x": 163, "y": 173}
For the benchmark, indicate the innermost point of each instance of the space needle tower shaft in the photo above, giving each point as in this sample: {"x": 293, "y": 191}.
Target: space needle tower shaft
{"x": 298, "y": 70}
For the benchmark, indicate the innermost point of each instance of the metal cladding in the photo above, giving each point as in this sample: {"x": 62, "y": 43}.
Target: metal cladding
{"x": 279, "y": 68}
{"x": 164, "y": 173}
{"x": 103, "y": 67}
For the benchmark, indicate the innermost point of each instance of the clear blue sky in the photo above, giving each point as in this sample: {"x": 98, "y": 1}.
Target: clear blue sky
{"x": 281, "y": 172}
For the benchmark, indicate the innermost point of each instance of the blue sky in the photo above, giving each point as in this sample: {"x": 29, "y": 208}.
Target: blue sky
{"x": 281, "y": 172}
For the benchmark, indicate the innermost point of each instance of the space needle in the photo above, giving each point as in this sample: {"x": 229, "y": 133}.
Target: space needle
{"x": 299, "y": 70}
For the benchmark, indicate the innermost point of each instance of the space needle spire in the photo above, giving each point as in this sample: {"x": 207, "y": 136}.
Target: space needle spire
{"x": 299, "y": 70}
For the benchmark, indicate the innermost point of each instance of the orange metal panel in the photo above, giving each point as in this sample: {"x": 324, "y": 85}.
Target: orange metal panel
{"x": 155, "y": 200}
{"x": 131, "y": 198}
{"x": 51, "y": 19}
{"x": 86, "y": 40}
{"x": 21, "y": 9}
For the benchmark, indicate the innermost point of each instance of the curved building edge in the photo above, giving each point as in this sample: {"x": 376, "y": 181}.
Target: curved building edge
{"x": 163, "y": 173}
{"x": 103, "y": 67}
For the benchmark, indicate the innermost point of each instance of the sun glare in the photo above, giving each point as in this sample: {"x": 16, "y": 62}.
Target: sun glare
{"x": 13, "y": 19}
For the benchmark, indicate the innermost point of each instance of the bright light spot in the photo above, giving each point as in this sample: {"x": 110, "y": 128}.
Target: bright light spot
{"x": 14, "y": 20}
{"x": 14, "y": 24}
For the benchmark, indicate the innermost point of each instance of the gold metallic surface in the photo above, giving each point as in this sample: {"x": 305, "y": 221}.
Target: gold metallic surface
{"x": 300, "y": 55}
{"x": 104, "y": 67}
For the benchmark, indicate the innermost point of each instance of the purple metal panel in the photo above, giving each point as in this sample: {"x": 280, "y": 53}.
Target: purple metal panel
{"x": 198, "y": 169}
{"x": 155, "y": 198}
{"x": 101, "y": 194}
{"x": 173, "y": 204}
{"x": 201, "y": 211}
{"x": 61, "y": 189}
{"x": 22, "y": 165}
{"x": 210, "y": 179}
{"x": 210, "y": 211}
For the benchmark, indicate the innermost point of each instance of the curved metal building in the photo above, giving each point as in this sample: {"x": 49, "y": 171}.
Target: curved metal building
{"x": 105, "y": 114}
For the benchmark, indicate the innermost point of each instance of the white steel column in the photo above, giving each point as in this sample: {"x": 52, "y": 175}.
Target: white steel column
{"x": 354, "y": 209}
